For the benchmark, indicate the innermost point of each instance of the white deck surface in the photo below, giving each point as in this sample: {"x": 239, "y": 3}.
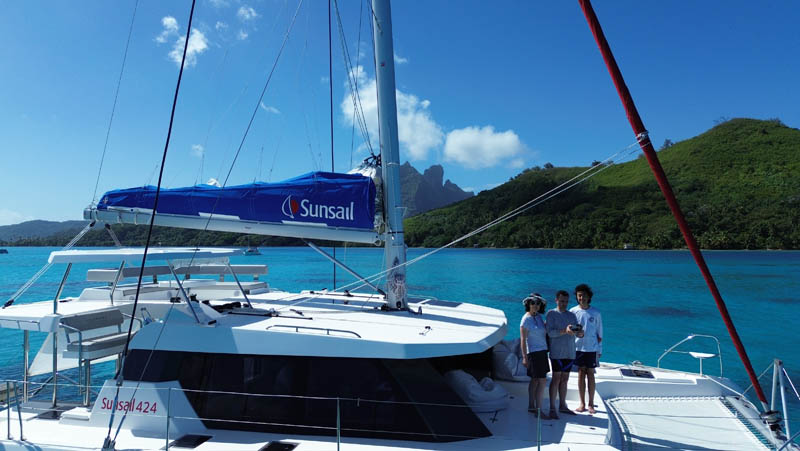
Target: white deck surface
{"x": 654, "y": 423}
{"x": 331, "y": 325}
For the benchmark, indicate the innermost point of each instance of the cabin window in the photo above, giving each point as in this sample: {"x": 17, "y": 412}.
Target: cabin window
{"x": 378, "y": 398}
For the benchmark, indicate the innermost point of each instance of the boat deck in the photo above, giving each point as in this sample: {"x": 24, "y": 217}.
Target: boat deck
{"x": 710, "y": 421}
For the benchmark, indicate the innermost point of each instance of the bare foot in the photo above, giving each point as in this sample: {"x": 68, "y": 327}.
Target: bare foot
{"x": 581, "y": 408}
{"x": 591, "y": 410}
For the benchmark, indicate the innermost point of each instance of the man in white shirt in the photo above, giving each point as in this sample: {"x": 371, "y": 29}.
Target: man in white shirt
{"x": 587, "y": 347}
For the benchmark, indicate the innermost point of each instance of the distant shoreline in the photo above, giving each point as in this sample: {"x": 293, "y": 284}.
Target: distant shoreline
{"x": 12, "y": 246}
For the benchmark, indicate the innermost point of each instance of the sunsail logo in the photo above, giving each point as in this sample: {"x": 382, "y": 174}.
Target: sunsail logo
{"x": 306, "y": 209}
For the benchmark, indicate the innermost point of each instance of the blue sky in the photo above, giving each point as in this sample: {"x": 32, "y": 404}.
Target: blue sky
{"x": 484, "y": 88}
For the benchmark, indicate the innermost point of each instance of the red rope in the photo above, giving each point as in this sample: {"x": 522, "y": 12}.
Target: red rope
{"x": 666, "y": 189}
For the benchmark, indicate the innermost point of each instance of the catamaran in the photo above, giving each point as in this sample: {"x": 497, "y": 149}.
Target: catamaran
{"x": 237, "y": 364}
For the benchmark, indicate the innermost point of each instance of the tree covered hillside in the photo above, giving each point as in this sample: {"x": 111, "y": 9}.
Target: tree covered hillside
{"x": 738, "y": 184}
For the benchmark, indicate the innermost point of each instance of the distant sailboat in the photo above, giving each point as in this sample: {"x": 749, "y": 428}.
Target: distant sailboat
{"x": 252, "y": 250}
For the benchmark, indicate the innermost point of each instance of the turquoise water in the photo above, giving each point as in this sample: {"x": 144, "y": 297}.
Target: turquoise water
{"x": 649, "y": 299}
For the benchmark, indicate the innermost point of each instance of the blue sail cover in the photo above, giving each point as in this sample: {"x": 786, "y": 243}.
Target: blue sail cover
{"x": 335, "y": 200}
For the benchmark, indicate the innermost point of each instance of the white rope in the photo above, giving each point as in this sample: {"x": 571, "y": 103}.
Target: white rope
{"x": 47, "y": 266}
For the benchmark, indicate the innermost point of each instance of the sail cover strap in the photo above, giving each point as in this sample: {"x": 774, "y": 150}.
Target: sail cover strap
{"x": 317, "y": 198}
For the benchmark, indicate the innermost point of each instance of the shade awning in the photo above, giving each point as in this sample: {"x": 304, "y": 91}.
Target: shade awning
{"x": 129, "y": 254}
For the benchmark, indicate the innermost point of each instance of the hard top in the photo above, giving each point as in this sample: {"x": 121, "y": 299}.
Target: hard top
{"x": 129, "y": 254}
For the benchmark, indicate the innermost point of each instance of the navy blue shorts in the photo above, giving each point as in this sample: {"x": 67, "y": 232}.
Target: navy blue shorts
{"x": 537, "y": 364}
{"x": 562, "y": 365}
{"x": 586, "y": 359}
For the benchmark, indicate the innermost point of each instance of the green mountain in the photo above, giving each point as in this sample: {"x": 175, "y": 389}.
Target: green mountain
{"x": 738, "y": 185}
{"x": 38, "y": 229}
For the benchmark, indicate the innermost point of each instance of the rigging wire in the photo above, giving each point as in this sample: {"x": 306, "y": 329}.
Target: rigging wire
{"x": 114, "y": 106}
{"x": 358, "y": 60}
{"x": 44, "y": 268}
{"x": 211, "y": 124}
{"x": 301, "y": 61}
{"x": 274, "y": 157}
{"x": 246, "y": 86}
{"x": 258, "y": 105}
{"x": 109, "y": 443}
{"x": 260, "y": 164}
{"x": 551, "y": 193}
{"x": 249, "y": 125}
{"x": 352, "y": 80}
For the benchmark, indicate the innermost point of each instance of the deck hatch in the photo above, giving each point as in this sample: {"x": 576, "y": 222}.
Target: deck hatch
{"x": 441, "y": 303}
{"x": 190, "y": 441}
{"x": 279, "y": 446}
{"x": 644, "y": 374}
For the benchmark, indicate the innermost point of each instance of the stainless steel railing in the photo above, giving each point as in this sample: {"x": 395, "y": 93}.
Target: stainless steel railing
{"x": 698, "y": 355}
{"x": 337, "y": 425}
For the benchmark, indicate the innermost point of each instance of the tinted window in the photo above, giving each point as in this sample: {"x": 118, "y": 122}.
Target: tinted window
{"x": 394, "y": 399}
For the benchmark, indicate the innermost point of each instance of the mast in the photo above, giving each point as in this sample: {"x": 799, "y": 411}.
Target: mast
{"x": 395, "y": 254}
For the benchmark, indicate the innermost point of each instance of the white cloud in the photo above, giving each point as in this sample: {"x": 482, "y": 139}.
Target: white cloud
{"x": 418, "y": 132}
{"x": 219, "y": 3}
{"x": 8, "y": 217}
{"x": 399, "y": 59}
{"x": 483, "y": 147}
{"x": 220, "y": 26}
{"x": 270, "y": 109}
{"x": 170, "y": 25}
{"x": 246, "y": 13}
{"x": 241, "y": 35}
{"x": 198, "y": 150}
{"x": 197, "y": 45}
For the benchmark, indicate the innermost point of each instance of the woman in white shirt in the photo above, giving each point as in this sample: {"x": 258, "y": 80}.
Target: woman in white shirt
{"x": 533, "y": 340}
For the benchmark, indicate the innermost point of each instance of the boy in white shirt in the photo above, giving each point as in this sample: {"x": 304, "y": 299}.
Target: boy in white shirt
{"x": 587, "y": 347}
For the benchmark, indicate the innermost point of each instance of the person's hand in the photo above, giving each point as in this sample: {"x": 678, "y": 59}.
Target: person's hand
{"x": 580, "y": 334}
{"x": 525, "y": 362}
{"x": 568, "y": 330}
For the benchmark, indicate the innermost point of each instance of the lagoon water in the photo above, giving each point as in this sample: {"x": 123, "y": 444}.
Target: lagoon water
{"x": 649, "y": 299}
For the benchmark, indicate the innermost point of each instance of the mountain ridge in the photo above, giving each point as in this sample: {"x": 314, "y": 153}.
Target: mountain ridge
{"x": 737, "y": 183}
{"x": 421, "y": 193}
{"x": 426, "y": 191}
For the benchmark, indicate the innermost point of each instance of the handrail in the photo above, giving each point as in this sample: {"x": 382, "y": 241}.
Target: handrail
{"x": 171, "y": 415}
{"x": 131, "y": 317}
{"x": 7, "y": 408}
{"x": 327, "y": 330}
{"x": 691, "y": 337}
{"x": 80, "y": 348}
{"x": 339, "y": 428}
